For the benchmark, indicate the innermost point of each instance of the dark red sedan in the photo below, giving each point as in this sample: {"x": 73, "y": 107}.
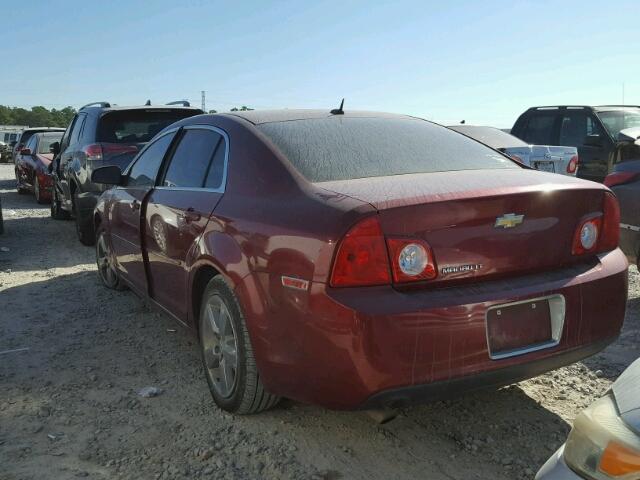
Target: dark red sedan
{"x": 357, "y": 260}
{"x": 32, "y": 163}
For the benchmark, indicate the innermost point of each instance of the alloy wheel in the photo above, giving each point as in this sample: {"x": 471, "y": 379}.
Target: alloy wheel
{"x": 220, "y": 346}
{"x": 106, "y": 268}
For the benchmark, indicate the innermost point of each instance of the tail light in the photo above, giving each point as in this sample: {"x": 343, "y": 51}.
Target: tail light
{"x": 599, "y": 233}
{"x": 97, "y": 151}
{"x": 572, "y": 165}
{"x": 411, "y": 260}
{"x": 620, "y": 178}
{"x": 610, "y": 237}
{"x": 364, "y": 258}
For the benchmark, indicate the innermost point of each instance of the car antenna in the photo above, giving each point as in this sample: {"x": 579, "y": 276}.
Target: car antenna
{"x": 338, "y": 111}
{"x": 148, "y": 104}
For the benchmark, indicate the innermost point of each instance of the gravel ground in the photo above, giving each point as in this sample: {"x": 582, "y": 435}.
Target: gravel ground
{"x": 69, "y": 406}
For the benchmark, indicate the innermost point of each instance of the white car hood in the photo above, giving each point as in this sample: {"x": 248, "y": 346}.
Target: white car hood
{"x": 626, "y": 390}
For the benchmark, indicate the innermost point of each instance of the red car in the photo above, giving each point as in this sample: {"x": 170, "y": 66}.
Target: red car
{"x": 32, "y": 163}
{"x": 357, "y": 260}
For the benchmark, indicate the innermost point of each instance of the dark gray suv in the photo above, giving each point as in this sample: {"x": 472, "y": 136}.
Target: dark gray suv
{"x": 101, "y": 134}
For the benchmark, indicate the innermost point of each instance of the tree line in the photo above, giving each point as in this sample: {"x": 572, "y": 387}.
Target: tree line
{"x": 36, "y": 117}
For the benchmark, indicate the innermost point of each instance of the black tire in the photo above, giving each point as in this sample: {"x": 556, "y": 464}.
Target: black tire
{"x": 107, "y": 270}
{"x": 57, "y": 212}
{"x": 84, "y": 229}
{"x": 36, "y": 191}
{"x": 248, "y": 395}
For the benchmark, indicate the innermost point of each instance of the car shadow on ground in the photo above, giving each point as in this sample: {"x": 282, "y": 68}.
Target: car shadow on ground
{"x": 77, "y": 326}
{"x": 55, "y": 246}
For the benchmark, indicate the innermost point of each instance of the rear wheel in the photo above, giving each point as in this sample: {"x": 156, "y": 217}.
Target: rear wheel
{"x": 107, "y": 270}
{"x": 57, "y": 212}
{"x": 84, "y": 229}
{"x": 227, "y": 355}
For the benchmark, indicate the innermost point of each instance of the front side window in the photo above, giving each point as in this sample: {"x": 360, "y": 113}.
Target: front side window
{"x": 192, "y": 164}
{"x": 144, "y": 171}
{"x": 344, "y": 148}
{"x": 618, "y": 120}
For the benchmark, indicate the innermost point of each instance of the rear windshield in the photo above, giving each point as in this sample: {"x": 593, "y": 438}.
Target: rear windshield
{"x": 137, "y": 126}
{"x": 44, "y": 145}
{"x": 493, "y": 137}
{"x": 339, "y": 148}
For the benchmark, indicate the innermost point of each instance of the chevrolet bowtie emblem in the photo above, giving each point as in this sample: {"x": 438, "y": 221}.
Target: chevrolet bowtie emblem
{"x": 509, "y": 220}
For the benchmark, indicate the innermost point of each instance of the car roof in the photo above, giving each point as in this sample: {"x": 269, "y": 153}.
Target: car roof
{"x": 50, "y": 133}
{"x": 285, "y": 115}
{"x": 118, "y": 108}
{"x": 492, "y": 136}
{"x": 597, "y": 108}
{"x": 44, "y": 129}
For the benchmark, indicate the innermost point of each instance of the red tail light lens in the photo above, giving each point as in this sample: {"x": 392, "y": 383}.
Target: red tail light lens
{"x": 619, "y": 178}
{"x": 573, "y": 164}
{"x": 362, "y": 258}
{"x": 93, "y": 151}
{"x": 411, "y": 260}
{"x": 610, "y": 236}
{"x": 96, "y": 151}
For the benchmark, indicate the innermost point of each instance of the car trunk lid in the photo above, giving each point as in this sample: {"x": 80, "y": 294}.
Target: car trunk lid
{"x": 482, "y": 223}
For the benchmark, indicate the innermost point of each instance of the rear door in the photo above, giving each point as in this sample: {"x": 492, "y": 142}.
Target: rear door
{"x": 575, "y": 127}
{"x": 67, "y": 152}
{"x": 178, "y": 210}
{"x": 126, "y": 211}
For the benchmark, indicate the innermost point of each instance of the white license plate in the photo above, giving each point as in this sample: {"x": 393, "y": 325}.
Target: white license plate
{"x": 545, "y": 166}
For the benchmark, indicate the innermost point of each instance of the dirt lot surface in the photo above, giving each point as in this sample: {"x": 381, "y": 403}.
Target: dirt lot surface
{"x": 69, "y": 406}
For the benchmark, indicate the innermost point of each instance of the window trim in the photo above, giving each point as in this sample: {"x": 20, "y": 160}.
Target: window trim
{"x": 223, "y": 183}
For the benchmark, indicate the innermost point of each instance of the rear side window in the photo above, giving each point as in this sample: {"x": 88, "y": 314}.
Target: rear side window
{"x": 539, "y": 129}
{"x": 339, "y": 148}
{"x": 137, "y": 126}
{"x": 144, "y": 171}
{"x": 193, "y": 165}
{"x": 77, "y": 128}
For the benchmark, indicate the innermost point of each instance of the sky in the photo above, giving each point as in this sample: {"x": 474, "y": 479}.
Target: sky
{"x": 484, "y": 62}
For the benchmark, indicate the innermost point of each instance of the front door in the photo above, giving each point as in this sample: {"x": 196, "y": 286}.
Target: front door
{"x": 178, "y": 211}
{"x": 127, "y": 210}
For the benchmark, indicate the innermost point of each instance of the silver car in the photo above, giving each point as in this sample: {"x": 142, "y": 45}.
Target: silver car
{"x": 604, "y": 442}
{"x": 562, "y": 160}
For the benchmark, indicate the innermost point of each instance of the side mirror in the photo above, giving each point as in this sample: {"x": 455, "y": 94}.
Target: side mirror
{"x": 109, "y": 175}
{"x": 55, "y": 148}
{"x": 25, "y": 151}
{"x": 593, "y": 141}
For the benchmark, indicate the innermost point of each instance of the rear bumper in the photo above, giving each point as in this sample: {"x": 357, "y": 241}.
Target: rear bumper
{"x": 415, "y": 394}
{"x": 361, "y": 347}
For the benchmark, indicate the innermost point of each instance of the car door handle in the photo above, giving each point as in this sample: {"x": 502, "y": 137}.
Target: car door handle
{"x": 190, "y": 215}
{"x": 135, "y": 205}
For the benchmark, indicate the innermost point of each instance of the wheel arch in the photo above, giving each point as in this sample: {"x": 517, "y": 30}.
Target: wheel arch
{"x": 200, "y": 279}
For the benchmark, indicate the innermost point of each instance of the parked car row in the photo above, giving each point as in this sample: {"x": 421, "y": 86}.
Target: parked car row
{"x": 351, "y": 259}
